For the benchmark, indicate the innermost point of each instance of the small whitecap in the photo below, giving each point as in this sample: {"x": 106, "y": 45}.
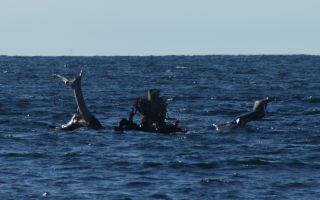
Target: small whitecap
{"x": 45, "y": 194}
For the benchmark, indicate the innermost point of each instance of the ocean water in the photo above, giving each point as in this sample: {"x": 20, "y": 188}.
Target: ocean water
{"x": 276, "y": 158}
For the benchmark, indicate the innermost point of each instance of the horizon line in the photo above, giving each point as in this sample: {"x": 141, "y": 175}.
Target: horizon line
{"x": 156, "y": 55}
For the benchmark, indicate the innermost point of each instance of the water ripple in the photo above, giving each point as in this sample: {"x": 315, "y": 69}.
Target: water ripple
{"x": 275, "y": 158}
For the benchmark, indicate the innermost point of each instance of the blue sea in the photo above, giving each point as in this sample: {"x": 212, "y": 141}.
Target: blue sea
{"x": 275, "y": 158}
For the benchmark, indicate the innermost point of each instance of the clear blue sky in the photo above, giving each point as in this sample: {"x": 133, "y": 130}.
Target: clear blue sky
{"x": 159, "y": 27}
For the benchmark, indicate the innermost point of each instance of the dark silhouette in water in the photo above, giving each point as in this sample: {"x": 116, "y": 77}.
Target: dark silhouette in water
{"x": 127, "y": 124}
{"x": 257, "y": 113}
{"x": 153, "y": 111}
{"x": 82, "y": 117}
